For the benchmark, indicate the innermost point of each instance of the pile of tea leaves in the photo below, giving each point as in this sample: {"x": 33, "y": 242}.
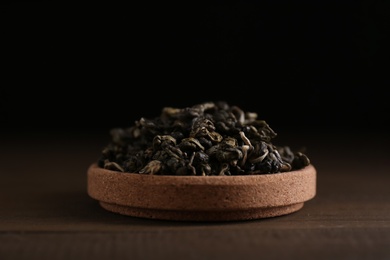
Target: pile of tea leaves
{"x": 211, "y": 138}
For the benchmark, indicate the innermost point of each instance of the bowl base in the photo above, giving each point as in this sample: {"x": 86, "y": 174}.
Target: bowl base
{"x": 179, "y": 215}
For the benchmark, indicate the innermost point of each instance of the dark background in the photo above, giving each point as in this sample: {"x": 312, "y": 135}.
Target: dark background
{"x": 316, "y": 66}
{"x": 70, "y": 72}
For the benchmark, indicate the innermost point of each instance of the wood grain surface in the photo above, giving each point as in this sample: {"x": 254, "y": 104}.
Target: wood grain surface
{"x": 45, "y": 212}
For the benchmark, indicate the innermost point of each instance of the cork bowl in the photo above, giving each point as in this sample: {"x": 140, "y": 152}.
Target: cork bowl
{"x": 201, "y": 198}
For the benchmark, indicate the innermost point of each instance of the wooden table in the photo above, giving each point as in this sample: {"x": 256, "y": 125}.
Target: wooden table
{"x": 45, "y": 212}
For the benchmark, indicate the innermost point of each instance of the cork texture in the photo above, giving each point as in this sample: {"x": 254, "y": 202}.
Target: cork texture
{"x": 201, "y": 198}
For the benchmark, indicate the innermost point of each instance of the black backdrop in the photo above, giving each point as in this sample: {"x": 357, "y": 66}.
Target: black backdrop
{"x": 313, "y": 65}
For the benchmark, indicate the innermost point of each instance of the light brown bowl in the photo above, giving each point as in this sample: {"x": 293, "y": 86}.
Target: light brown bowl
{"x": 201, "y": 198}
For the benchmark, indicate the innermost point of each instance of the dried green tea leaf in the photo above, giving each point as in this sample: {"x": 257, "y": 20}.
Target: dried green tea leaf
{"x": 211, "y": 138}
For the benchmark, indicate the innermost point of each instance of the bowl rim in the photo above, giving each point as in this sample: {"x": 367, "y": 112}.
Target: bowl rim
{"x": 208, "y": 179}
{"x": 209, "y": 192}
